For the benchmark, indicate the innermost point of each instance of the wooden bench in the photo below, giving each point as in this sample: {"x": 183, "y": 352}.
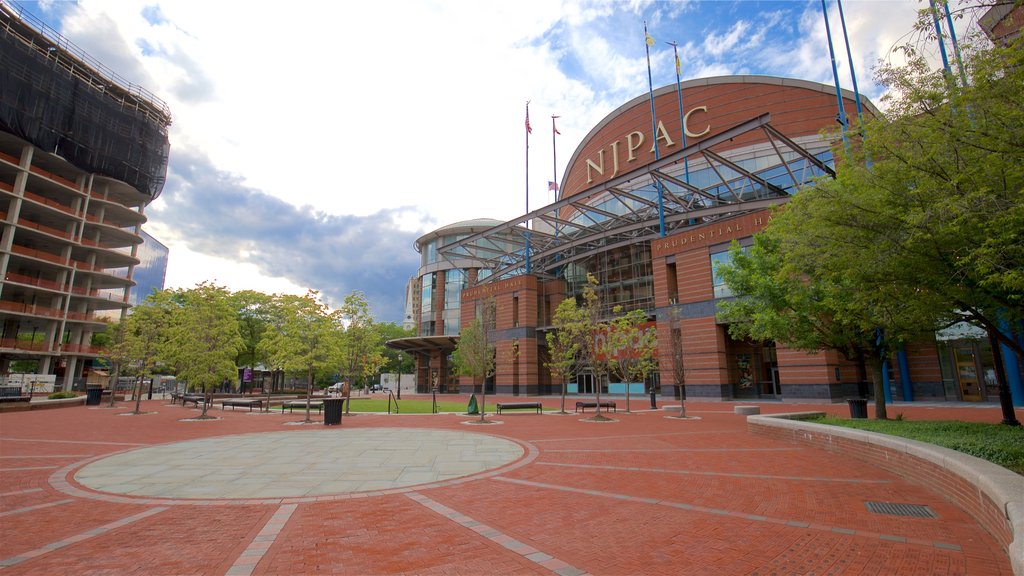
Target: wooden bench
{"x": 516, "y": 405}
{"x": 293, "y": 404}
{"x": 13, "y": 394}
{"x": 250, "y": 402}
{"x": 582, "y": 406}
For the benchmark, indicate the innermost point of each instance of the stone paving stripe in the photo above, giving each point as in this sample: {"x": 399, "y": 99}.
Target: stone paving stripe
{"x": 46, "y": 456}
{"x": 658, "y": 435}
{"x": 723, "y": 474}
{"x": 713, "y": 450}
{"x": 79, "y": 537}
{"x": 247, "y": 561}
{"x": 42, "y": 441}
{"x": 25, "y": 491}
{"x": 715, "y": 511}
{"x": 496, "y": 536}
{"x": 36, "y": 507}
{"x": 27, "y": 468}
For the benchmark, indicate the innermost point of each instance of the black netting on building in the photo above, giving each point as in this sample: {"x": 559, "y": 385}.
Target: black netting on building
{"x": 70, "y": 115}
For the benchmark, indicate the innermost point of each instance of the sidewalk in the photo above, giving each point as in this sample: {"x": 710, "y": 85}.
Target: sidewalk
{"x": 254, "y": 493}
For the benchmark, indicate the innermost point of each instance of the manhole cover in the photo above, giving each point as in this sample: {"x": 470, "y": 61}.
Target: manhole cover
{"x": 914, "y": 510}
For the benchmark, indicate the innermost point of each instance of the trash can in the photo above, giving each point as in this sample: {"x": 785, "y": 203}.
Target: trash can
{"x": 93, "y": 394}
{"x": 332, "y": 410}
{"x": 858, "y": 407}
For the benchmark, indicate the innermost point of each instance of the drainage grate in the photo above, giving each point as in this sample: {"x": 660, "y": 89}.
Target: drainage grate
{"x": 915, "y": 510}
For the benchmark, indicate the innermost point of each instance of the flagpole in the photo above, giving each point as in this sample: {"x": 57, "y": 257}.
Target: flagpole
{"x": 648, "y": 42}
{"x": 554, "y": 157}
{"x": 835, "y": 74}
{"x": 526, "y": 255}
{"x": 682, "y": 117}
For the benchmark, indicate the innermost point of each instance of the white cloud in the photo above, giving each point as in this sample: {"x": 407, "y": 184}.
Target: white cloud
{"x": 414, "y": 110}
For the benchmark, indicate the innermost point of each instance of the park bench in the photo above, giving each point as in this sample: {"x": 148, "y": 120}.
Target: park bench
{"x": 13, "y": 394}
{"x": 582, "y": 406}
{"x": 515, "y": 405}
{"x": 195, "y": 399}
{"x": 301, "y": 404}
{"x": 233, "y": 402}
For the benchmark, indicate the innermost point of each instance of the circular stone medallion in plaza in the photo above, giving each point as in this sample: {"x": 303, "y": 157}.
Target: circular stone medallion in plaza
{"x": 305, "y": 463}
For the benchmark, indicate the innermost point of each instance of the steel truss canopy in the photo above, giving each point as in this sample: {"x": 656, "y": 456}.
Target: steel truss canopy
{"x": 647, "y": 203}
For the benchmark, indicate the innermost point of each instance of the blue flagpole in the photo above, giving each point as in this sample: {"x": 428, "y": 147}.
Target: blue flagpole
{"x": 956, "y": 47}
{"x": 654, "y": 128}
{"x": 849, "y": 56}
{"x": 835, "y": 74}
{"x": 938, "y": 34}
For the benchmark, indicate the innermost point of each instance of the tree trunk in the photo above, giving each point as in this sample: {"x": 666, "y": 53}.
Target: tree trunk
{"x": 309, "y": 393}
{"x": 116, "y": 374}
{"x": 564, "y": 385}
{"x": 1005, "y": 400}
{"x": 879, "y": 386}
{"x": 138, "y": 395}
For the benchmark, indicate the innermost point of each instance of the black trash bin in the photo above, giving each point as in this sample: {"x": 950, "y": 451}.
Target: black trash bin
{"x": 93, "y": 395}
{"x": 858, "y": 407}
{"x": 332, "y": 410}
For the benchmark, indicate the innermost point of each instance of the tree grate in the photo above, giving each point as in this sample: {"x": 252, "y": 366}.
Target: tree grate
{"x": 915, "y": 510}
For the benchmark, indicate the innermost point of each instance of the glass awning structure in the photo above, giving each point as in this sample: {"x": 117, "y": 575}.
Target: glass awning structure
{"x": 694, "y": 185}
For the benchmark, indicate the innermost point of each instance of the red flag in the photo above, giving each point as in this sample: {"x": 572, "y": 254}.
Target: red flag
{"x": 553, "y": 125}
{"x": 529, "y": 130}
{"x": 552, "y": 186}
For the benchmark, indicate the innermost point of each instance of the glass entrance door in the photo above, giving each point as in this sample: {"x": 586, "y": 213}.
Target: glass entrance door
{"x": 967, "y": 373}
{"x": 585, "y": 383}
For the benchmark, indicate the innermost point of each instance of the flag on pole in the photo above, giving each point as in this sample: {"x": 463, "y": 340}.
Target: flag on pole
{"x": 553, "y": 126}
{"x": 552, "y": 186}
{"x": 650, "y": 40}
{"x": 529, "y": 129}
{"x": 679, "y": 67}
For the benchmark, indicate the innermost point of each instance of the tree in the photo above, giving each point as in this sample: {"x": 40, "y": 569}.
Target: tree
{"x": 928, "y": 202}
{"x": 304, "y": 337}
{"x": 254, "y": 314}
{"x": 203, "y": 338}
{"x": 564, "y": 343}
{"x": 475, "y": 352}
{"x": 679, "y": 369}
{"x": 595, "y": 348}
{"x": 786, "y": 294}
{"x": 144, "y": 338}
{"x": 395, "y": 361}
{"x": 362, "y": 344}
{"x": 633, "y": 348}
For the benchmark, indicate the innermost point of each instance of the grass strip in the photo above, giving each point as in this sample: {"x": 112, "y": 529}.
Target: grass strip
{"x": 999, "y": 444}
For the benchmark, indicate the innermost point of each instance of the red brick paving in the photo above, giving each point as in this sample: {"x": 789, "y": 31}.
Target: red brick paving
{"x": 643, "y": 495}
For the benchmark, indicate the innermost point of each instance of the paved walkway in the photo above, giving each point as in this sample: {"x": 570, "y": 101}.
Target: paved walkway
{"x": 90, "y": 490}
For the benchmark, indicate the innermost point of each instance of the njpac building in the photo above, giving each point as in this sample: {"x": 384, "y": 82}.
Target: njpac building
{"x": 651, "y": 214}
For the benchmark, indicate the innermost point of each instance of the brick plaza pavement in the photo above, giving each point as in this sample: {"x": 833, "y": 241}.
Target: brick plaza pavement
{"x": 645, "y": 494}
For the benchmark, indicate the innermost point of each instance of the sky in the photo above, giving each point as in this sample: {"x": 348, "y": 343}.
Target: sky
{"x": 313, "y": 143}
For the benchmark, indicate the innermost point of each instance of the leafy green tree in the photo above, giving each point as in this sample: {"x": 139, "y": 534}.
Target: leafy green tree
{"x": 395, "y": 361}
{"x": 203, "y": 338}
{"x": 633, "y": 347}
{"x": 304, "y": 336}
{"x": 144, "y": 338}
{"x": 362, "y": 343}
{"x": 565, "y": 343}
{"x": 928, "y": 203}
{"x": 475, "y": 352}
{"x": 254, "y": 314}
